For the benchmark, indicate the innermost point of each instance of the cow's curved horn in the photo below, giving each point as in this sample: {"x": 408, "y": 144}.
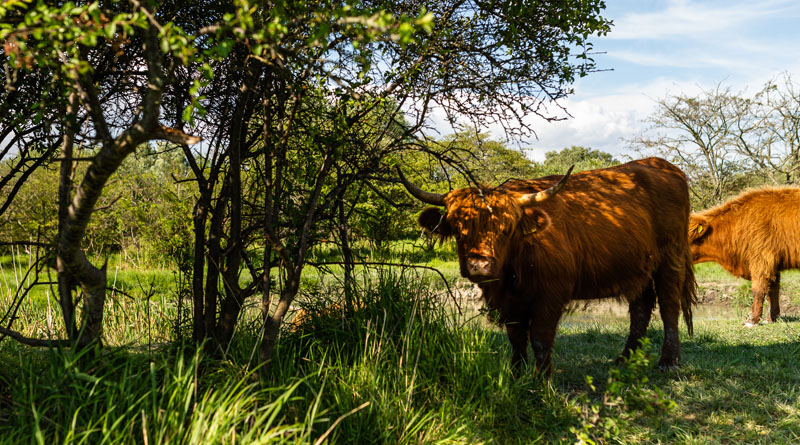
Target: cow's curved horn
{"x": 436, "y": 199}
{"x": 532, "y": 198}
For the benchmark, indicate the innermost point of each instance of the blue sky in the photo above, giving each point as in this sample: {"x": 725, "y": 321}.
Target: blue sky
{"x": 660, "y": 48}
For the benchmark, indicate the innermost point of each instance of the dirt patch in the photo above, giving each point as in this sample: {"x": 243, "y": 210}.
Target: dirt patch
{"x": 739, "y": 295}
{"x": 712, "y": 292}
{"x": 713, "y": 297}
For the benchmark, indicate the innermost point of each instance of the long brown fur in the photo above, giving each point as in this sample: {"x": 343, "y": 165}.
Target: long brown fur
{"x": 618, "y": 232}
{"x": 755, "y": 236}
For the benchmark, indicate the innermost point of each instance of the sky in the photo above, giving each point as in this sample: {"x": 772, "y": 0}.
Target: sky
{"x": 661, "y": 48}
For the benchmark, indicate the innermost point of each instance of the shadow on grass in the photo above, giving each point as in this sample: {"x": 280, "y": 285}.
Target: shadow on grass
{"x": 598, "y": 348}
{"x": 736, "y": 384}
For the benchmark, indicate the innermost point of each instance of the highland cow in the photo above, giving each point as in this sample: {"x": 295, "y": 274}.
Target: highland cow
{"x": 533, "y": 246}
{"x": 754, "y": 236}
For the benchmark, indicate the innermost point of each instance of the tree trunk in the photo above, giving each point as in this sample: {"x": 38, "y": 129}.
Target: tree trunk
{"x": 64, "y": 188}
{"x": 347, "y": 256}
{"x": 272, "y": 323}
{"x": 212, "y": 276}
{"x": 199, "y": 217}
{"x": 232, "y": 305}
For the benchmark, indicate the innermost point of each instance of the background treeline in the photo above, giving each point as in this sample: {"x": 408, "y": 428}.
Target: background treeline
{"x": 145, "y": 213}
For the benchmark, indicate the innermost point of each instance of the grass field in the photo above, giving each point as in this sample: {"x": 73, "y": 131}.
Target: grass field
{"x": 405, "y": 368}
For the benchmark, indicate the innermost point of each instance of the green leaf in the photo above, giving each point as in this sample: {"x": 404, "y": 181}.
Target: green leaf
{"x": 111, "y": 30}
{"x": 224, "y": 47}
{"x": 187, "y": 114}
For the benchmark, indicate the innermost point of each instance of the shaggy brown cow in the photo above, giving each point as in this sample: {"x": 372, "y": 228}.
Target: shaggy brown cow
{"x": 532, "y": 247}
{"x": 754, "y": 236}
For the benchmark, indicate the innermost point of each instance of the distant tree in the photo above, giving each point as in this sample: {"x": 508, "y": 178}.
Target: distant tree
{"x": 490, "y": 161}
{"x": 145, "y": 212}
{"x": 697, "y": 134}
{"x": 726, "y": 141}
{"x": 34, "y": 214}
{"x": 467, "y": 158}
{"x": 773, "y": 145}
{"x": 583, "y": 158}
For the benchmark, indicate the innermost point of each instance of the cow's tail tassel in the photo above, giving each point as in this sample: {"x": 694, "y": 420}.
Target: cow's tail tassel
{"x": 689, "y": 293}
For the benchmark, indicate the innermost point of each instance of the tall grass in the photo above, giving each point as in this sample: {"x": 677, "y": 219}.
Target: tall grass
{"x": 419, "y": 374}
{"x": 399, "y": 368}
{"x": 56, "y": 397}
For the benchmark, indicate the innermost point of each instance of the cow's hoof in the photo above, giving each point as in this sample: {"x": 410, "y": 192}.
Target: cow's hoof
{"x": 668, "y": 365}
{"x": 750, "y": 323}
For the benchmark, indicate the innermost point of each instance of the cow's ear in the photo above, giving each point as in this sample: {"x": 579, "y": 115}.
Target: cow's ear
{"x": 698, "y": 228}
{"x": 433, "y": 221}
{"x": 535, "y": 221}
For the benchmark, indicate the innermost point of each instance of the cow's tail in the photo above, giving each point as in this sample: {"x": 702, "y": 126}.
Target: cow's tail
{"x": 689, "y": 292}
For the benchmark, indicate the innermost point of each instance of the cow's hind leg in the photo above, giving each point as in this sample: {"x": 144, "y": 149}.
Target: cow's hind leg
{"x": 774, "y": 298}
{"x": 641, "y": 309}
{"x": 669, "y": 286}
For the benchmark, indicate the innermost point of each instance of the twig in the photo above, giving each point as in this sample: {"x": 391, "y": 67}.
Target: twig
{"x": 33, "y": 341}
{"x": 342, "y": 417}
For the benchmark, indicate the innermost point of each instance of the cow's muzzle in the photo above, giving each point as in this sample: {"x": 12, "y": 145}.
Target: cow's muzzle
{"x": 480, "y": 268}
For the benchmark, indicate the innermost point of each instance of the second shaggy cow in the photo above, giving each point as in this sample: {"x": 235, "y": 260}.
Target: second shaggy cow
{"x": 754, "y": 236}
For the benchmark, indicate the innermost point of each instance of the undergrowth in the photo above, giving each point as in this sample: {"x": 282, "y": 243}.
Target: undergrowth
{"x": 397, "y": 365}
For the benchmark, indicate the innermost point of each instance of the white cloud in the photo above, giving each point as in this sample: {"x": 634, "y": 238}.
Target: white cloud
{"x": 737, "y": 36}
{"x": 687, "y": 19}
{"x": 602, "y": 121}
{"x": 599, "y": 123}
{"x": 670, "y": 58}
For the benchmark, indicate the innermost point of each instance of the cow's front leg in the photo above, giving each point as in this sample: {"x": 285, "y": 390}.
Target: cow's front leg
{"x": 760, "y": 290}
{"x": 518, "y": 336}
{"x": 543, "y": 333}
{"x": 641, "y": 310}
{"x": 775, "y": 298}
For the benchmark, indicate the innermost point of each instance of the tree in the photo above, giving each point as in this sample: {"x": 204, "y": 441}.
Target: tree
{"x": 726, "y": 141}
{"x": 774, "y": 146}
{"x": 60, "y": 49}
{"x": 557, "y": 162}
{"x": 696, "y": 135}
{"x": 300, "y": 105}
